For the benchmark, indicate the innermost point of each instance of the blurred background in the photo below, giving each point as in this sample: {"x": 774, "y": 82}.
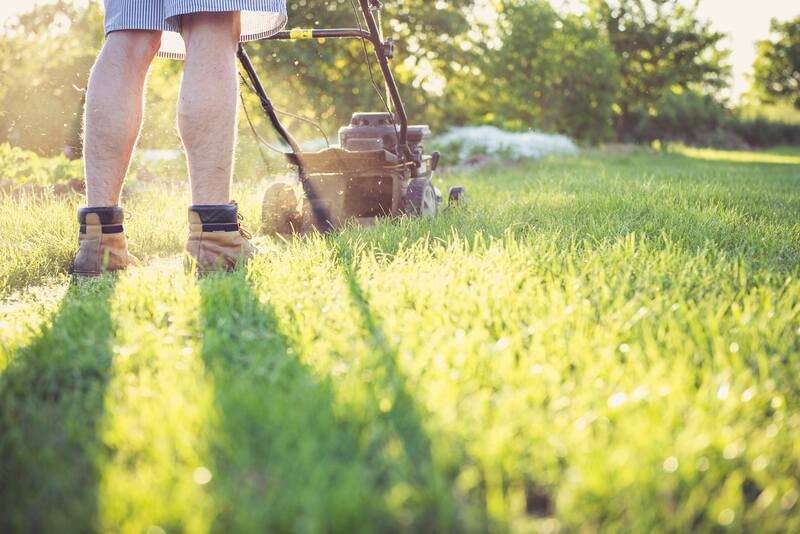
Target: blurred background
{"x": 708, "y": 73}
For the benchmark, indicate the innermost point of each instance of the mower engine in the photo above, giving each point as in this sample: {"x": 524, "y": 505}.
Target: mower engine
{"x": 375, "y": 131}
{"x": 365, "y": 177}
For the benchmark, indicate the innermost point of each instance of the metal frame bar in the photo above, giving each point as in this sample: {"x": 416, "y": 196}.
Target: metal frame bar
{"x": 266, "y": 103}
{"x": 335, "y": 33}
{"x": 372, "y": 36}
{"x": 387, "y": 73}
{"x": 321, "y": 217}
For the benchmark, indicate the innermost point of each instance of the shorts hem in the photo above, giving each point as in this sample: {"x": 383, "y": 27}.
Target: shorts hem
{"x": 144, "y": 25}
{"x": 243, "y": 39}
{"x": 170, "y": 55}
{"x": 141, "y": 27}
{"x": 213, "y": 6}
{"x": 266, "y": 18}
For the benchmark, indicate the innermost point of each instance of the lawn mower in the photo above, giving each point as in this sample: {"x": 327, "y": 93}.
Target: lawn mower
{"x": 378, "y": 169}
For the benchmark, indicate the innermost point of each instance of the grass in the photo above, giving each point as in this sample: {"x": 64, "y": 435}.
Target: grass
{"x": 606, "y": 342}
{"x": 779, "y": 155}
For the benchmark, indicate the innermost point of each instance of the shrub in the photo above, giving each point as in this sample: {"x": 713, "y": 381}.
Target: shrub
{"x": 701, "y": 120}
{"x": 761, "y": 132}
{"x": 685, "y": 116}
{"x": 26, "y": 167}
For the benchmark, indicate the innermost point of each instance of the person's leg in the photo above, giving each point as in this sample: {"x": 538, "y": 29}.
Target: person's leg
{"x": 208, "y": 103}
{"x": 112, "y": 120}
{"x": 207, "y": 124}
{"x": 114, "y": 111}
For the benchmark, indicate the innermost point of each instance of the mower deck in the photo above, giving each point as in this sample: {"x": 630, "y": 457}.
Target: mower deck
{"x": 336, "y": 160}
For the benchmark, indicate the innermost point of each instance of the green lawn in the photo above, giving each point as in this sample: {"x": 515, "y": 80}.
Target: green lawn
{"x": 598, "y": 343}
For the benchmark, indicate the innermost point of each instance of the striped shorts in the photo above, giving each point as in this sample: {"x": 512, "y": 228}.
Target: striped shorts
{"x": 260, "y": 18}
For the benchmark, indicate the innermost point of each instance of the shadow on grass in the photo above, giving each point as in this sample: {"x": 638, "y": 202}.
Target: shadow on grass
{"x": 283, "y": 460}
{"x": 285, "y": 456}
{"x": 51, "y": 400}
{"x": 390, "y": 390}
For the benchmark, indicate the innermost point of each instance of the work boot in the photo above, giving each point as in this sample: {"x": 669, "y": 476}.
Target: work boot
{"x": 217, "y": 242}
{"x": 102, "y": 245}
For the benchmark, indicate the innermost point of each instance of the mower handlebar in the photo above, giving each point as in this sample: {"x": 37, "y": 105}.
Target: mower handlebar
{"x": 301, "y": 33}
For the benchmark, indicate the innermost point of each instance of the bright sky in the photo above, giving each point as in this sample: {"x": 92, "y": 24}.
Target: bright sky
{"x": 746, "y": 21}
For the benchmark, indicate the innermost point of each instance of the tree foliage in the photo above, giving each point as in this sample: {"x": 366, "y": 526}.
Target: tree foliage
{"x": 777, "y": 67}
{"x": 553, "y": 72}
{"x": 643, "y": 69}
{"x": 45, "y": 58}
{"x": 47, "y": 54}
{"x": 660, "y": 45}
{"x": 330, "y": 80}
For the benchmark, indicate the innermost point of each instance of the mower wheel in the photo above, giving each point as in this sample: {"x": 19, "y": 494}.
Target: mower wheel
{"x": 457, "y": 197}
{"x": 420, "y": 200}
{"x": 279, "y": 210}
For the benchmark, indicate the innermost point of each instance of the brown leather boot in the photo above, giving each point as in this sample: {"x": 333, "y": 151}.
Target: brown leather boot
{"x": 217, "y": 242}
{"x": 102, "y": 246}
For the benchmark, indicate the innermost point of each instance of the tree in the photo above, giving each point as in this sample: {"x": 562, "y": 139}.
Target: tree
{"x": 547, "y": 71}
{"x": 330, "y": 80}
{"x": 660, "y": 45}
{"x": 777, "y": 67}
{"x": 45, "y": 57}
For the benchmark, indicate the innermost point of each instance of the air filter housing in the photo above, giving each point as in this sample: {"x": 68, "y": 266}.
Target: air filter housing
{"x": 375, "y": 131}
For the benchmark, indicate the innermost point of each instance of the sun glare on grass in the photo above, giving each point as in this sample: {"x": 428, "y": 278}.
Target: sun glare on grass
{"x": 738, "y": 156}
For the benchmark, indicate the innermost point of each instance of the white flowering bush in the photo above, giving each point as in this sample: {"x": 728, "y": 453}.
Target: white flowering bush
{"x": 460, "y": 144}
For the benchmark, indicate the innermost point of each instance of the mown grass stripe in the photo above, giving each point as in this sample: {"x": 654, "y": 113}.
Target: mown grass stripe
{"x": 51, "y": 406}
{"x": 158, "y": 409}
{"x": 287, "y": 456}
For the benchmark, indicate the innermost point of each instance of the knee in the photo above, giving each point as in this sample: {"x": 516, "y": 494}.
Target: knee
{"x": 215, "y": 31}
{"x": 187, "y": 113}
{"x": 136, "y": 46}
{"x": 194, "y": 119}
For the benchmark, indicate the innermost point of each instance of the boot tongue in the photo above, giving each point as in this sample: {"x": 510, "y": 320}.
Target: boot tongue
{"x": 216, "y": 213}
{"x": 107, "y": 215}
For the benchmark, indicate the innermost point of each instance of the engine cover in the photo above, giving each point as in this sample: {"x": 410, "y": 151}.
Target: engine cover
{"x": 374, "y": 131}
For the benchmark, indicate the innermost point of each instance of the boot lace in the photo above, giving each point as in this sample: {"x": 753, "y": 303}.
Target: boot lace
{"x": 244, "y": 233}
